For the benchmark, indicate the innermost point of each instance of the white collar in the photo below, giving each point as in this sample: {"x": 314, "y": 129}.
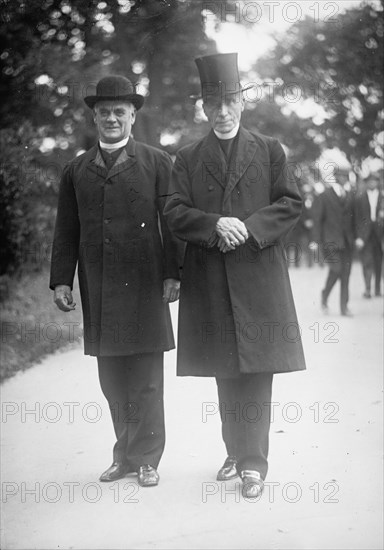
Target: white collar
{"x": 113, "y": 146}
{"x": 230, "y": 134}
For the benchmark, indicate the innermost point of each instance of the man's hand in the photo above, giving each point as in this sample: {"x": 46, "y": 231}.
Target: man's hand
{"x": 171, "y": 290}
{"x": 223, "y": 247}
{"x": 232, "y": 232}
{"x": 359, "y": 243}
{"x": 63, "y": 298}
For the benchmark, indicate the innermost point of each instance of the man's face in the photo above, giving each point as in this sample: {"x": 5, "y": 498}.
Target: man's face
{"x": 342, "y": 178}
{"x": 224, "y": 112}
{"x": 114, "y": 120}
{"x": 372, "y": 183}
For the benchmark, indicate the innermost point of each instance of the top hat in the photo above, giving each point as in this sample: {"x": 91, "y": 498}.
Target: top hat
{"x": 115, "y": 88}
{"x": 219, "y": 75}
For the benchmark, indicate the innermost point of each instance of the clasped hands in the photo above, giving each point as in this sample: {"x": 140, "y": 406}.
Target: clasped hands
{"x": 231, "y": 232}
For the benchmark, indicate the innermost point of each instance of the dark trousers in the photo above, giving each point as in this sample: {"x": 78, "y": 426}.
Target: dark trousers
{"x": 371, "y": 259}
{"x": 245, "y": 410}
{"x": 133, "y": 387}
{"x": 339, "y": 268}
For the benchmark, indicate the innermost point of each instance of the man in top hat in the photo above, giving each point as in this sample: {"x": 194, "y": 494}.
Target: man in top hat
{"x": 333, "y": 230}
{"x": 369, "y": 220}
{"x": 233, "y": 201}
{"x": 110, "y": 203}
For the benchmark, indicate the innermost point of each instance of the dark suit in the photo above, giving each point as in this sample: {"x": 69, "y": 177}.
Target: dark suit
{"x": 108, "y": 224}
{"x": 333, "y": 218}
{"x": 236, "y": 307}
{"x": 371, "y": 232}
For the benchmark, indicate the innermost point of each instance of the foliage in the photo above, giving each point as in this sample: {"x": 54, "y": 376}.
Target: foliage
{"x": 31, "y": 327}
{"x": 338, "y": 65}
{"x": 54, "y": 52}
{"x": 26, "y": 221}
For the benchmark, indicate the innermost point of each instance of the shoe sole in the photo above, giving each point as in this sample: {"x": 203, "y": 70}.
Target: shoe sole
{"x": 226, "y": 478}
{"x": 148, "y": 484}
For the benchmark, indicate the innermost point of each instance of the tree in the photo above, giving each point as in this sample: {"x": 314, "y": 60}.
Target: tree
{"x": 54, "y": 52}
{"x": 338, "y": 65}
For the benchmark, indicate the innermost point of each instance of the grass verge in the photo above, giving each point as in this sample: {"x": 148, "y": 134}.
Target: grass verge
{"x": 32, "y": 327}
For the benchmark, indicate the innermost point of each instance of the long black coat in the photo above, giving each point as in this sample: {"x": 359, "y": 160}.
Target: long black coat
{"x": 236, "y": 309}
{"x": 108, "y": 223}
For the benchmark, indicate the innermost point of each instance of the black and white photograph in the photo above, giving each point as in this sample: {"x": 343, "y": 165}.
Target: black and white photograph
{"x": 192, "y": 274}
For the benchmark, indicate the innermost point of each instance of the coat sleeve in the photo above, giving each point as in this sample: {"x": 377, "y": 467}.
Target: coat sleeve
{"x": 267, "y": 225}
{"x": 185, "y": 220}
{"x": 172, "y": 246}
{"x": 65, "y": 248}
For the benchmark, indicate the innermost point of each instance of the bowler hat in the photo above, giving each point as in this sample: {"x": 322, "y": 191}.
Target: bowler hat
{"x": 115, "y": 88}
{"x": 219, "y": 75}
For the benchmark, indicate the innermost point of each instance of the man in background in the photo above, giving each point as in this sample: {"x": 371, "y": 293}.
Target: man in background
{"x": 333, "y": 231}
{"x": 369, "y": 218}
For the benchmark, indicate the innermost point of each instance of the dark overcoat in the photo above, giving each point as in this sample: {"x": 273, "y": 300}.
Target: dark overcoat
{"x": 109, "y": 223}
{"x": 236, "y": 309}
{"x": 333, "y": 222}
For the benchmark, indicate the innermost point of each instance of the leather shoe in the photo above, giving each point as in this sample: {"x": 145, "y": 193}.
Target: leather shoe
{"x": 147, "y": 476}
{"x": 346, "y": 313}
{"x": 367, "y": 294}
{"x": 228, "y": 469}
{"x": 253, "y": 485}
{"x": 116, "y": 471}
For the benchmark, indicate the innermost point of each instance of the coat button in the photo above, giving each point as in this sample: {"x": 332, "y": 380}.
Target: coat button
{"x": 107, "y": 240}
{"x": 107, "y": 220}
{"x": 210, "y": 187}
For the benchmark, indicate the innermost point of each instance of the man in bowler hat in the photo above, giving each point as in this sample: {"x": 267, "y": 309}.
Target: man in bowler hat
{"x": 333, "y": 217}
{"x": 110, "y": 207}
{"x": 232, "y": 200}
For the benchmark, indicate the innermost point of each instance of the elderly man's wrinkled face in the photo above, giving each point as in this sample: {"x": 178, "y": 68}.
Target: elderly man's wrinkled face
{"x": 114, "y": 120}
{"x": 224, "y": 112}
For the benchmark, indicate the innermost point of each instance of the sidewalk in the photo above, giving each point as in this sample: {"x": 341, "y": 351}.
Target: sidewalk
{"x": 324, "y": 486}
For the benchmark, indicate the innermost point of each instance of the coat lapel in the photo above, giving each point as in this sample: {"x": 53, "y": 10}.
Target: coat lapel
{"x": 240, "y": 160}
{"x": 213, "y": 159}
{"x": 125, "y": 161}
{"x": 96, "y": 163}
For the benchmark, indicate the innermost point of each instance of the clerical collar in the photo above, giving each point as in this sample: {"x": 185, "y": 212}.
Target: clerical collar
{"x": 229, "y": 135}
{"x": 113, "y": 146}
